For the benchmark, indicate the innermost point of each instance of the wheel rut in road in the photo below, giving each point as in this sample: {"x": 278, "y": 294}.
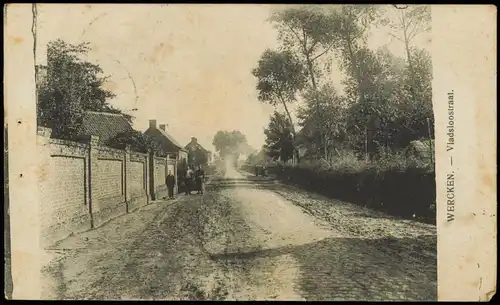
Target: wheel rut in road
{"x": 274, "y": 250}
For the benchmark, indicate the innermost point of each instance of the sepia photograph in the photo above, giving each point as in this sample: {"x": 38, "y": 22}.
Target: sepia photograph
{"x": 236, "y": 152}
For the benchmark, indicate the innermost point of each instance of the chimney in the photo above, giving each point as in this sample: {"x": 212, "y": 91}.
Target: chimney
{"x": 162, "y": 127}
{"x": 152, "y": 123}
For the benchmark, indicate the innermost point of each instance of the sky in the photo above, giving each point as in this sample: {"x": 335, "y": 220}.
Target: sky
{"x": 184, "y": 65}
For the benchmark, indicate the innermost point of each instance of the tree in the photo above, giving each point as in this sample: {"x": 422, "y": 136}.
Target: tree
{"x": 251, "y": 159}
{"x": 279, "y": 141}
{"x": 279, "y": 76}
{"x": 394, "y": 118}
{"x": 71, "y": 87}
{"x": 309, "y": 32}
{"x": 324, "y": 114}
{"x": 354, "y": 20}
{"x": 230, "y": 144}
{"x": 386, "y": 100}
{"x": 419, "y": 113}
{"x": 138, "y": 142}
{"x": 411, "y": 21}
{"x": 368, "y": 119}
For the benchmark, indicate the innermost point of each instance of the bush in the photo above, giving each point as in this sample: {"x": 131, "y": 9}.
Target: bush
{"x": 348, "y": 162}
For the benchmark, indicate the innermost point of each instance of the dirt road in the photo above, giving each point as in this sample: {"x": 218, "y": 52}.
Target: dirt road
{"x": 247, "y": 239}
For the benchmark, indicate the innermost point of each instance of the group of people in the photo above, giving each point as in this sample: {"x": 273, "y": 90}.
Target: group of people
{"x": 193, "y": 180}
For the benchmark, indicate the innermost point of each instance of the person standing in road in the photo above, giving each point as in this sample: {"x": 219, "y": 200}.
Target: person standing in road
{"x": 200, "y": 178}
{"x": 188, "y": 181}
{"x": 170, "y": 184}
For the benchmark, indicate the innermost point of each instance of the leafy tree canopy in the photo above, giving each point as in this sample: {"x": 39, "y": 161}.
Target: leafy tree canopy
{"x": 230, "y": 144}
{"x": 279, "y": 141}
{"x": 70, "y": 87}
{"x": 279, "y": 76}
{"x": 385, "y": 102}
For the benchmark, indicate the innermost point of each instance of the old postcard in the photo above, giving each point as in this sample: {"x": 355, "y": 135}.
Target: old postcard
{"x": 250, "y": 152}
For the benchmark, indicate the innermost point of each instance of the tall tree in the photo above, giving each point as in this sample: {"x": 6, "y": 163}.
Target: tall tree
{"x": 279, "y": 76}
{"x": 309, "y": 32}
{"x": 411, "y": 21}
{"x": 279, "y": 141}
{"x": 381, "y": 73}
{"x": 326, "y": 116}
{"x": 230, "y": 144}
{"x": 419, "y": 113}
{"x": 395, "y": 119}
{"x": 354, "y": 21}
{"x": 385, "y": 98}
{"x": 71, "y": 86}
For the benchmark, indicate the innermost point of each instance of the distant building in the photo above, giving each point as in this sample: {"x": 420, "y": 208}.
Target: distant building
{"x": 105, "y": 125}
{"x": 194, "y": 146}
{"x": 167, "y": 142}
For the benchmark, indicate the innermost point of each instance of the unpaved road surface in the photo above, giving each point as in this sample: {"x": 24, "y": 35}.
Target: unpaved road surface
{"x": 248, "y": 238}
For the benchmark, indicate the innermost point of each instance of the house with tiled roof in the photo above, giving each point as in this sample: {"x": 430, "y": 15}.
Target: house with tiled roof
{"x": 105, "y": 125}
{"x": 193, "y": 146}
{"x": 166, "y": 141}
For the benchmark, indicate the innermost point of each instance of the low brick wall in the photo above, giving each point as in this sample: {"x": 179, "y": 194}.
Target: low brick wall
{"x": 108, "y": 185}
{"x": 83, "y": 185}
{"x": 63, "y": 185}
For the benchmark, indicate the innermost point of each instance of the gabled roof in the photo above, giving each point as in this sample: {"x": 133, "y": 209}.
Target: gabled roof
{"x": 170, "y": 138}
{"x": 105, "y": 125}
{"x": 162, "y": 135}
{"x": 198, "y": 146}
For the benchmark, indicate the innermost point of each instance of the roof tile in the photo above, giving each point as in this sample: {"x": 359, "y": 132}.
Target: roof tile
{"x": 104, "y": 125}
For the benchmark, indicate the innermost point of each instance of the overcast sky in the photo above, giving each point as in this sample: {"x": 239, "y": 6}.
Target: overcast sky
{"x": 185, "y": 65}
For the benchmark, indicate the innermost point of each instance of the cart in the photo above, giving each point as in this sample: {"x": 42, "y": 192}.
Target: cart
{"x": 260, "y": 170}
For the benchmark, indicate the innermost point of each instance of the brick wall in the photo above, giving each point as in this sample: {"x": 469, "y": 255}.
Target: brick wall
{"x": 160, "y": 170}
{"x": 107, "y": 182}
{"x": 63, "y": 188}
{"x": 136, "y": 178}
{"x": 108, "y": 179}
{"x": 83, "y": 185}
{"x": 171, "y": 168}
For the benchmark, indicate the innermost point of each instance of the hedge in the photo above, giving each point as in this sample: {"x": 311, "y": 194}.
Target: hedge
{"x": 398, "y": 193}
